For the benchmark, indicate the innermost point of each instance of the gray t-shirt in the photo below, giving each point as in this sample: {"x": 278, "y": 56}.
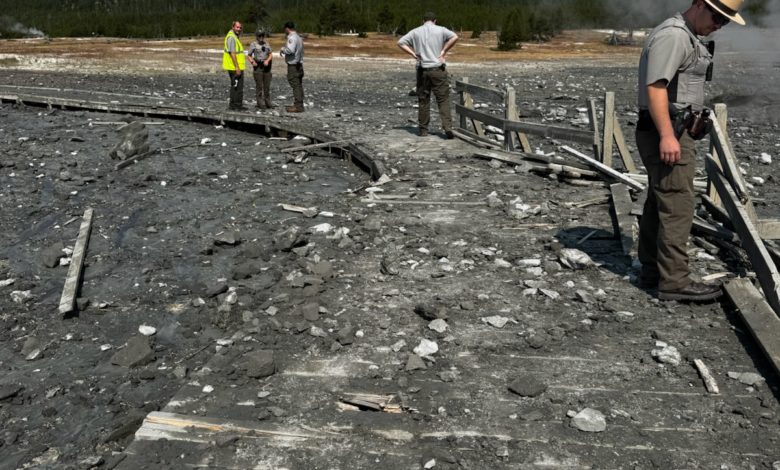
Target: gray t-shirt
{"x": 670, "y": 49}
{"x": 427, "y": 41}
{"x": 231, "y": 44}
{"x": 293, "y": 50}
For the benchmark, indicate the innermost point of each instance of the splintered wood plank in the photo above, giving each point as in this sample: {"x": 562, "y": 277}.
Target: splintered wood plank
{"x": 609, "y": 171}
{"x": 594, "y": 126}
{"x": 73, "y": 280}
{"x": 468, "y": 102}
{"x": 625, "y": 223}
{"x": 510, "y": 109}
{"x": 762, "y": 322}
{"x": 721, "y": 114}
{"x": 750, "y": 238}
{"x": 730, "y": 168}
{"x": 625, "y": 155}
{"x": 609, "y": 127}
{"x": 769, "y": 229}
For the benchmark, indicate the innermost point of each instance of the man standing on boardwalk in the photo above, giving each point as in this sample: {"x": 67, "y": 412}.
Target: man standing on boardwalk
{"x": 293, "y": 55}
{"x": 428, "y": 44}
{"x": 233, "y": 60}
{"x": 673, "y": 68}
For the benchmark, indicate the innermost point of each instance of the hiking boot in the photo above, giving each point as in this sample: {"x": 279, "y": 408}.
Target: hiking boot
{"x": 693, "y": 292}
{"x": 647, "y": 282}
{"x": 269, "y": 105}
{"x": 449, "y": 135}
{"x": 294, "y": 109}
{"x": 422, "y": 133}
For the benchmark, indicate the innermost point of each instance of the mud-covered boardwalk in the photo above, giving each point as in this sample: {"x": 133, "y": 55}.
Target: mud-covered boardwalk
{"x": 194, "y": 243}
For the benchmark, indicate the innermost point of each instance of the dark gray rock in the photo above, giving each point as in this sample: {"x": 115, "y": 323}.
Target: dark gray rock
{"x": 430, "y": 311}
{"x": 134, "y": 140}
{"x": 136, "y": 353}
{"x": 247, "y": 269}
{"x": 227, "y": 238}
{"x": 527, "y": 386}
{"x": 50, "y": 257}
{"x": 215, "y": 289}
{"x": 287, "y": 239}
{"x": 9, "y": 391}
{"x": 415, "y": 362}
{"x": 346, "y": 335}
{"x": 260, "y": 364}
{"x": 311, "y": 311}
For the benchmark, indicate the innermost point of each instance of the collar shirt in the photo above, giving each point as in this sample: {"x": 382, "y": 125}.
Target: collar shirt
{"x": 427, "y": 41}
{"x": 259, "y": 51}
{"x": 293, "y": 50}
{"x": 675, "y": 54}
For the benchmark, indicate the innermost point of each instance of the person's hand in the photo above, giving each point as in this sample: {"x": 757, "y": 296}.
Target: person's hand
{"x": 670, "y": 150}
{"x": 442, "y": 58}
{"x": 238, "y": 72}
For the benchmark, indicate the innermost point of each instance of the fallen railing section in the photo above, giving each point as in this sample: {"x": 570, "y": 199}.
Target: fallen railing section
{"x": 725, "y": 196}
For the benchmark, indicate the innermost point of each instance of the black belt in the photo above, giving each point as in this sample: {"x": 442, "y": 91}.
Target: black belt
{"x": 299, "y": 64}
{"x": 440, "y": 67}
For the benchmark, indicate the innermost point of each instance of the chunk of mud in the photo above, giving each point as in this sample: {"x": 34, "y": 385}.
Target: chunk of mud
{"x": 260, "y": 364}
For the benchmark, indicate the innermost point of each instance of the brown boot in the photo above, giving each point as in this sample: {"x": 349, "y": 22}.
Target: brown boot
{"x": 294, "y": 109}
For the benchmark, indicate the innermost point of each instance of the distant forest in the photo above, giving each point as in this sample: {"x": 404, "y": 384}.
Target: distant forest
{"x": 528, "y": 19}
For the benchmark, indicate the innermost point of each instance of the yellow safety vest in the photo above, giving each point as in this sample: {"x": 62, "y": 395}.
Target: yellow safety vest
{"x": 227, "y": 62}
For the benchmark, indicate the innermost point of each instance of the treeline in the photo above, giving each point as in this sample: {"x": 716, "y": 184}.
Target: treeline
{"x": 527, "y": 19}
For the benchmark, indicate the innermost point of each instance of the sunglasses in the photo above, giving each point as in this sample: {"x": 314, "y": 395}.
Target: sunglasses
{"x": 717, "y": 17}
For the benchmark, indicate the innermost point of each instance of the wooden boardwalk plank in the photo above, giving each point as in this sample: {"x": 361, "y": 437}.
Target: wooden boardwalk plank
{"x": 760, "y": 319}
{"x": 72, "y": 282}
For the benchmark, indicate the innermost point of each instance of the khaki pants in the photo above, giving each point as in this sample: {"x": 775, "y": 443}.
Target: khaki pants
{"x": 236, "y": 90}
{"x": 295, "y": 78}
{"x": 668, "y": 212}
{"x": 262, "y": 87}
{"x": 435, "y": 80}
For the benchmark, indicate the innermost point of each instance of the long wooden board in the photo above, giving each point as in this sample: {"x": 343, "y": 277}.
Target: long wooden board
{"x": 465, "y": 86}
{"x": 751, "y": 241}
{"x": 620, "y": 140}
{"x": 609, "y": 171}
{"x": 762, "y": 322}
{"x": 609, "y": 127}
{"x": 72, "y": 282}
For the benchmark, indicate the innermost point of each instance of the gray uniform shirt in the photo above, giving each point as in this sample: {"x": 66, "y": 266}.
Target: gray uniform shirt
{"x": 293, "y": 50}
{"x": 673, "y": 53}
{"x": 260, "y": 53}
{"x": 427, "y": 41}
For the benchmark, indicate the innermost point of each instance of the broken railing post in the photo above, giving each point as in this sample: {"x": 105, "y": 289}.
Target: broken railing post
{"x": 594, "y": 126}
{"x": 609, "y": 126}
{"x": 510, "y": 105}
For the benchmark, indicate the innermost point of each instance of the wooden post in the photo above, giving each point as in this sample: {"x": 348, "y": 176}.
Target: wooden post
{"x": 625, "y": 155}
{"x": 510, "y": 105}
{"x": 721, "y": 114}
{"x": 468, "y": 102}
{"x": 70, "y": 291}
{"x": 594, "y": 126}
{"x": 624, "y": 223}
{"x": 759, "y": 318}
{"x": 730, "y": 168}
{"x": 609, "y": 125}
{"x": 463, "y": 95}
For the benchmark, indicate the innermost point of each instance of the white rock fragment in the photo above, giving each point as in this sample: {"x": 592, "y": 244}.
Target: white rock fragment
{"x": 757, "y": 180}
{"x": 318, "y": 332}
{"x": 147, "y": 330}
{"x": 550, "y": 293}
{"x": 438, "y": 325}
{"x": 502, "y": 263}
{"x": 426, "y": 348}
{"x": 7, "y": 282}
{"x": 321, "y": 228}
{"x": 21, "y": 296}
{"x": 529, "y": 263}
{"x": 667, "y": 355}
{"x": 495, "y": 321}
{"x": 573, "y": 258}
{"x": 105, "y": 347}
{"x": 34, "y": 354}
{"x": 765, "y": 158}
{"x": 398, "y": 345}
{"x": 208, "y": 389}
{"x": 224, "y": 342}
{"x": 589, "y": 420}
{"x": 429, "y": 464}
{"x": 747, "y": 378}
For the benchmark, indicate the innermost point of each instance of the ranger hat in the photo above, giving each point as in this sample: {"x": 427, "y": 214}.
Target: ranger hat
{"x": 260, "y": 33}
{"x": 729, "y": 9}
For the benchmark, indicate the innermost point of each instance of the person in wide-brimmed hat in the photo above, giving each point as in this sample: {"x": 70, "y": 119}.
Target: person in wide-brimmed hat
{"x": 261, "y": 56}
{"x": 673, "y": 68}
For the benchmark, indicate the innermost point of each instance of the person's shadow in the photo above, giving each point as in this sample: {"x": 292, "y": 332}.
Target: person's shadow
{"x": 601, "y": 245}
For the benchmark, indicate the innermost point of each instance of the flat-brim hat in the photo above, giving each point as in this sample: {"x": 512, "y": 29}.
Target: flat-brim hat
{"x": 729, "y": 9}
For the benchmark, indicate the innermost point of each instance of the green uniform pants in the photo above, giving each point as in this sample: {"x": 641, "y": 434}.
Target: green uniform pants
{"x": 262, "y": 87}
{"x": 236, "y": 90}
{"x": 435, "y": 80}
{"x": 295, "y": 77}
{"x": 668, "y": 212}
